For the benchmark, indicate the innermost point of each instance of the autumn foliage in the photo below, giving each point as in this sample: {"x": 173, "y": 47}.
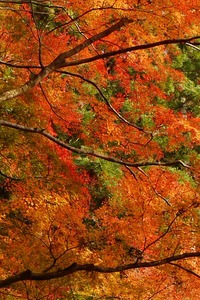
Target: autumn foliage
{"x": 100, "y": 149}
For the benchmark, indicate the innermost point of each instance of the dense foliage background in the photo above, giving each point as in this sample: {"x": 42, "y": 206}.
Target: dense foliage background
{"x": 100, "y": 151}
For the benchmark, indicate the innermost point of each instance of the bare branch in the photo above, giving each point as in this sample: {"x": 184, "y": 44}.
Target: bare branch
{"x": 89, "y": 152}
{"x": 159, "y": 291}
{"x": 9, "y": 64}
{"x": 49, "y": 103}
{"x": 130, "y": 49}
{"x": 153, "y": 188}
{"x": 60, "y": 60}
{"x": 27, "y": 86}
{"x": 193, "y": 46}
{"x": 24, "y": 1}
{"x": 38, "y": 35}
{"x": 185, "y": 269}
{"x": 162, "y": 235}
{"x": 29, "y": 275}
{"x": 9, "y": 177}
{"x": 106, "y": 100}
{"x": 79, "y": 17}
{"x": 131, "y": 171}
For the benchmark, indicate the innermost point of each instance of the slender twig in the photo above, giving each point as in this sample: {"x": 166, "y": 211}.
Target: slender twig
{"x": 193, "y": 46}
{"x": 9, "y": 64}
{"x": 131, "y": 171}
{"x": 154, "y": 189}
{"x": 162, "y": 235}
{"x": 105, "y": 99}
{"x": 159, "y": 291}
{"x": 185, "y": 269}
{"x": 49, "y": 103}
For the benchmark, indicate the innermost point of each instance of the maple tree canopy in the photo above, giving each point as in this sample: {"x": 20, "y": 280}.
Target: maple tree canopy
{"x": 100, "y": 149}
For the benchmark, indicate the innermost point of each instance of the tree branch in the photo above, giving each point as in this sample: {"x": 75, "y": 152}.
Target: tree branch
{"x": 59, "y": 61}
{"x": 193, "y": 46}
{"x": 162, "y": 235}
{"x": 130, "y": 49}
{"x": 185, "y": 269}
{"x": 105, "y": 99}
{"x": 27, "y": 86}
{"x": 9, "y": 64}
{"x": 29, "y": 275}
{"x": 9, "y": 177}
{"x": 89, "y": 152}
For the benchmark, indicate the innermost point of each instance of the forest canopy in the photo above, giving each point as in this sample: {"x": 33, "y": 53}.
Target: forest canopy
{"x": 100, "y": 149}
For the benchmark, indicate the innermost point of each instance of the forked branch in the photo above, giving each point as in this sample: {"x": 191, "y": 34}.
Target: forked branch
{"x": 60, "y": 61}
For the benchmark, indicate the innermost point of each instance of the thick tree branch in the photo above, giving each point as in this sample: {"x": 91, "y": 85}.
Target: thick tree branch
{"x": 89, "y": 152}
{"x": 27, "y": 86}
{"x": 29, "y": 275}
{"x": 59, "y": 61}
{"x": 131, "y": 49}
